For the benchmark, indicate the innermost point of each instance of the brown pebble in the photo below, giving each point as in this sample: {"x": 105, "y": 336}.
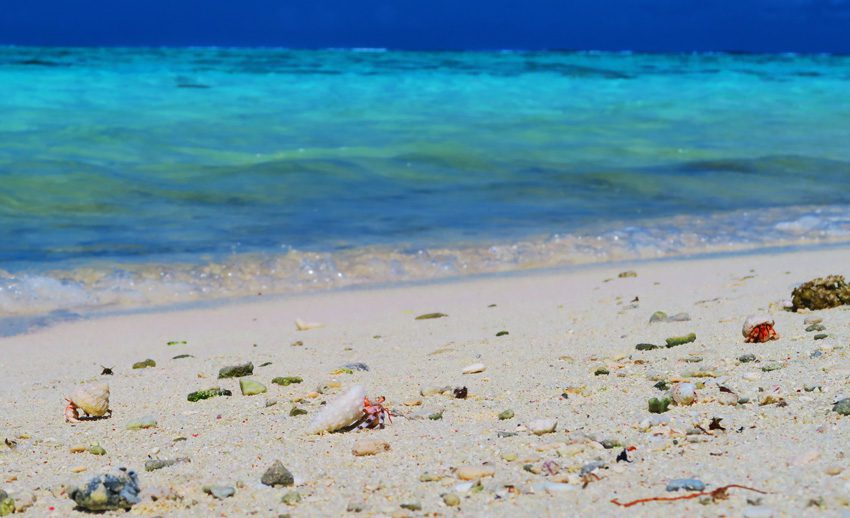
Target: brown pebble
{"x": 474, "y": 472}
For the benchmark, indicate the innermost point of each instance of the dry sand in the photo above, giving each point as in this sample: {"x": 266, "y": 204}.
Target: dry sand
{"x": 562, "y": 325}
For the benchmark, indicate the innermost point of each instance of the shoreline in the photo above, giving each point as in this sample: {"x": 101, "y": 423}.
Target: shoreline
{"x": 563, "y": 326}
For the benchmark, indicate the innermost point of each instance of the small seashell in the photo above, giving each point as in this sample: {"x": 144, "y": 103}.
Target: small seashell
{"x": 93, "y": 399}
{"x": 369, "y": 447}
{"x": 474, "y": 368}
{"x": 542, "y": 426}
{"x": 301, "y": 325}
{"x": 684, "y": 393}
{"x": 343, "y": 411}
{"x": 474, "y": 472}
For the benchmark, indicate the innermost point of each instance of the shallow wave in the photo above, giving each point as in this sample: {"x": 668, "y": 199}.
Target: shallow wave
{"x": 101, "y": 286}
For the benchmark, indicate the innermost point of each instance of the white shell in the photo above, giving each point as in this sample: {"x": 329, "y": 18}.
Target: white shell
{"x": 474, "y": 368}
{"x": 684, "y": 393}
{"x": 93, "y": 399}
{"x": 301, "y": 325}
{"x": 343, "y": 411}
{"x": 541, "y": 426}
{"x": 753, "y": 321}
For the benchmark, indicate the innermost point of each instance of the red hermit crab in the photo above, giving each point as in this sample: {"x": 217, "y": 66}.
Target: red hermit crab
{"x": 373, "y": 413}
{"x": 759, "y": 328}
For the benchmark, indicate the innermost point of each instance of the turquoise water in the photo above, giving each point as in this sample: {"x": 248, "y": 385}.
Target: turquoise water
{"x": 146, "y": 176}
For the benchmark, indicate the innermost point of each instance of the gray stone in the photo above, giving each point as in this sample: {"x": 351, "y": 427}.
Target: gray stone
{"x": 108, "y": 492}
{"x": 277, "y": 475}
{"x": 688, "y": 484}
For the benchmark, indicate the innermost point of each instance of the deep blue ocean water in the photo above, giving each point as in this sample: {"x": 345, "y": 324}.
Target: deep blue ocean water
{"x": 149, "y": 176}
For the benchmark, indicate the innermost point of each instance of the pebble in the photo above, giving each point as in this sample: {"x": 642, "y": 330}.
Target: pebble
{"x": 412, "y": 506}
{"x": 142, "y": 423}
{"x": 688, "y": 484}
{"x": 451, "y": 500}
{"x": 155, "y": 464}
{"x": 286, "y": 380}
{"x": 542, "y": 426}
{"x": 674, "y": 341}
{"x": 367, "y": 447}
{"x": 434, "y": 390}
{"x": 297, "y": 411}
{"x": 684, "y": 393}
{"x": 474, "y": 368}
{"x": 658, "y": 316}
{"x": 251, "y": 388}
{"x": 291, "y": 498}
{"x": 206, "y": 394}
{"x": 430, "y": 477}
{"x": 590, "y": 467}
{"x": 474, "y": 472}
{"x": 430, "y": 316}
{"x": 747, "y": 358}
{"x": 771, "y": 367}
{"x": 277, "y": 475}
{"x": 812, "y": 320}
{"x": 107, "y": 492}
{"x": 647, "y": 347}
{"x": 507, "y": 414}
{"x": 821, "y": 336}
{"x": 236, "y": 371}
{"x": 96, "y": 449}
{"x": 144, "y": 364}
{"x": 356, "y": 366}
{"x": 627, "y": 274}
{"x": 842, "y": 406}
{"x": 220, "y": 492}
{"x": 7, "y": 504}
{"x": 815, "y": 327}
{"x": 658, "y": 406}
{"x": 601, "y": 371}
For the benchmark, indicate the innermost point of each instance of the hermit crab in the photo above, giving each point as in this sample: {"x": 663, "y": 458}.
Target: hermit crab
{"x": 759, "y": 328}
{"x": 352, "y": 408}
{"x": 92, "y": 399}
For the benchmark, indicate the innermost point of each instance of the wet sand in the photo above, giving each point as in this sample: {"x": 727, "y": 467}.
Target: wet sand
{"x": 563, "y": 328}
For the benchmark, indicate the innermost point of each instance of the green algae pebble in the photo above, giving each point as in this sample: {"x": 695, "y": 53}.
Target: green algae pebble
{"x": 297, "y": 411}
{"x": 659, "y": 406}
{"x": 286, "y": 380}
{"x": 142, "y": 423}
{"x": 7, "y": 504}
{"x": 206, "y": 394}
{"x": 842, "y": 406}
{"x": 601, "y": 371}
{"x": 97, "y": 449}
{"x": 681, "y": 340}
{"x": 181, "y": 356}
{"x": 291, "y": 498}
{"x": 144, "y": 364}
{"x": 507, "y": 414}
{"x": 236, "y": 371}
{"x": 429, "y": 316}
{"x": 658, "y": 316}
{"x": 647, "y": 347}
{"x": 251, "y": 388}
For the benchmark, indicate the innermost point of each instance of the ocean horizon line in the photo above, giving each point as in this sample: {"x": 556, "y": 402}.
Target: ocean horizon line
{"x": 436, "y": 50}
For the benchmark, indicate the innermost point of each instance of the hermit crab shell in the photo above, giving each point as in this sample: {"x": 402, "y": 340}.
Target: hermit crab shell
{"x": 93, "y": 399}
{"x": 343, "y": 411}
{"x": 754, "y": 321}
{"x": 684, "y": 393}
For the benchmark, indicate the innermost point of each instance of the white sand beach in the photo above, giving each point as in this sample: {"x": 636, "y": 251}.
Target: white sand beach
{"x": 563, "y": 327}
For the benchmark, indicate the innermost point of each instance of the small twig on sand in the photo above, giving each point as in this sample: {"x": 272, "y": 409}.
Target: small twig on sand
{"x": 721, "y": 493}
